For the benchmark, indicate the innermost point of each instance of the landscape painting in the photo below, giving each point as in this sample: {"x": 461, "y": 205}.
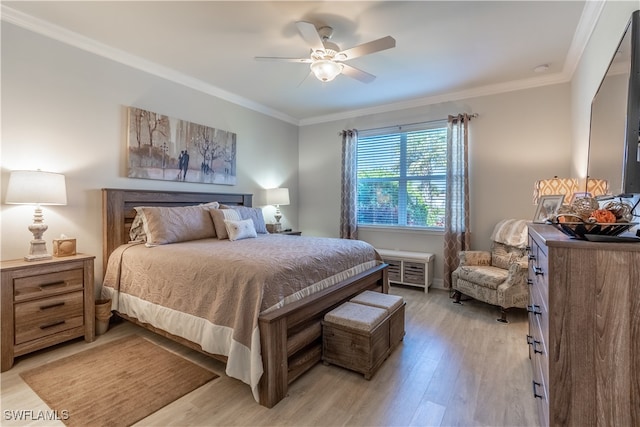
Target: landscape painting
{"x": 169, "y": 149}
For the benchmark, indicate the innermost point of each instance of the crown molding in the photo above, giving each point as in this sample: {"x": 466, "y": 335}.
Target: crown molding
{"x": 493, "y": 89}
{"x": 586, "y": 25}
{"x": 79, "y": 41}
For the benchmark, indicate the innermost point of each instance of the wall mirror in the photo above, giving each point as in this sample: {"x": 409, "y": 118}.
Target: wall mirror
{"x": 614, "y": 139}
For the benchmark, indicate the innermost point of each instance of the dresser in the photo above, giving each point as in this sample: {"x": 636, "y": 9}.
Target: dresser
{"x": 584, "y": 329}
{"x": 45, "y": 303}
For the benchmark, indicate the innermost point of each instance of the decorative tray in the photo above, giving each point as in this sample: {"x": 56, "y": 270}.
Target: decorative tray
{"x": 580, "y": 230}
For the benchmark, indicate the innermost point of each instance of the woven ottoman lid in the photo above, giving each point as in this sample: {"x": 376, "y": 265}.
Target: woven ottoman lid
{"x": 356, "y": 316}
{"x": 378, "y": 299}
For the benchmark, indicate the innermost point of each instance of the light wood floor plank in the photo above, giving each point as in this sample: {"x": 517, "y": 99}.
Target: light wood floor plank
{"x": 457, "y": 366}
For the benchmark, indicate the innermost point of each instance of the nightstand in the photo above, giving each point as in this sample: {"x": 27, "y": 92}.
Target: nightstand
{"x": 45, "y": 303}
{"x": 291, "y": 233}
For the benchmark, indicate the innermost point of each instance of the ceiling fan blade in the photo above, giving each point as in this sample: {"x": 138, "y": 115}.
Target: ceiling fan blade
{"x": 275, "y": 58}
{"x": 367, "y": 48}
{"x": 357, "y": 74}
{"x": 310, "y": 34}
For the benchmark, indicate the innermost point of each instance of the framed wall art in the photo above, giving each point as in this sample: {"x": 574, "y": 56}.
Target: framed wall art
{"x": 548, "y": 206}
{"x": 169, "y": 149}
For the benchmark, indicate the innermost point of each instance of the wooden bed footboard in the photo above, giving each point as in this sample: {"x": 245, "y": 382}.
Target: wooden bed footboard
{"x": 290, "y": 337}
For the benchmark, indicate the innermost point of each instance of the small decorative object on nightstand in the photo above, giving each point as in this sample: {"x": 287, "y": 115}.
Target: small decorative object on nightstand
{"x": 45, "y": 303}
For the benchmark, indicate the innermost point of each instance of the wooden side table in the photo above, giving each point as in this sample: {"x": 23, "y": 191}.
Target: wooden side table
{"x": 45, "y": 303}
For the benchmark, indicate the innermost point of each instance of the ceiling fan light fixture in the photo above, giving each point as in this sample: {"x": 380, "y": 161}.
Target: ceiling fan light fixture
{"x": 326, "y": 70}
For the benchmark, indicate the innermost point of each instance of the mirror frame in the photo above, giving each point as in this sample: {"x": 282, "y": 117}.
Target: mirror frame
{"x": 631, "y": 177}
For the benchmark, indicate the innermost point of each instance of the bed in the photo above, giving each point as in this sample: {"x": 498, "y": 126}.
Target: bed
{"x": 288, "y": 331}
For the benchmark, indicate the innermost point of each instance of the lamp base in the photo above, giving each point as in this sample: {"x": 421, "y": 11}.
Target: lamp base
{"x": 38, "y": 251}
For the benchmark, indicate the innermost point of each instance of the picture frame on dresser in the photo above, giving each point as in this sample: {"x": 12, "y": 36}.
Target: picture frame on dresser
{"x": 548, "y": 206}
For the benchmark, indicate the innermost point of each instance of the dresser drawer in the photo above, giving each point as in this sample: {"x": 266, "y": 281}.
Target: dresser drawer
{"x": 540, "y": 389}
{"x": 47, "y": 316}
{"x": 44, "y": 285}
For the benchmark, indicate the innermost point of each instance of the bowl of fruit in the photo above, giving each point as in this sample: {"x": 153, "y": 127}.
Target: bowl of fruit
{"x": 611, "y": 220}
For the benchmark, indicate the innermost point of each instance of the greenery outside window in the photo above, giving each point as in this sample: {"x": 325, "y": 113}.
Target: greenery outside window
{"x": 402, "y": 176}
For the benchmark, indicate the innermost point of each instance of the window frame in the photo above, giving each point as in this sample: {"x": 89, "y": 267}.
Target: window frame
{"x": 403, "y": 177}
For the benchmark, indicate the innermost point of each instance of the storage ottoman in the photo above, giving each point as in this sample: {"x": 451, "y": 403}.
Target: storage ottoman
{"x": 356, "y": 336}
{"x": 394, "y": 305}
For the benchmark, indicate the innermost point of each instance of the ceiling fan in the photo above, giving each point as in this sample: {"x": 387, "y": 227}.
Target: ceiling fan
{"x": 326, "y": 58}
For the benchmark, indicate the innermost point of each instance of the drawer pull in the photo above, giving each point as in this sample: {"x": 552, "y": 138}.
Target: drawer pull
{"x": 537, "y": 271}
{"x": 46, "y": 285}
{"x": 535, "y": 309}
{"x": 529, "y": 282}
{"x": 535, "y": 390}
{"x": 55, "y": 304}
{"x": 531, "y": 257}
{"x": 533, "y": 342}
{"x": 52, "y": 324}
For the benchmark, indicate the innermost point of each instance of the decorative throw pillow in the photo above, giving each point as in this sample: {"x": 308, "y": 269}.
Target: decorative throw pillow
{"x": 254, "y": 214}
{"x": 502, "y": 256}
{"x": 164, "y": 225}
{"x": 218, "y": 216}
{"x": 239, "y": 230}
{"x": 136, "y": 233}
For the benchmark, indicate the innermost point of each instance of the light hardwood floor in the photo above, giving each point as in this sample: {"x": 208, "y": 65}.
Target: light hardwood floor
{"x": 457, "y": 366}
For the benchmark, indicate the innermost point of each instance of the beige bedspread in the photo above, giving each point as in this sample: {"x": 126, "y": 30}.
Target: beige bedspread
{"x": 212, "y": 291}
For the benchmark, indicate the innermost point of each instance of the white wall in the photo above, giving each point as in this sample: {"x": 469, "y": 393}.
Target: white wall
{"x": 518, "y": 138}
{"x": 589, "y": 73}
{"x": 64, "y": 110}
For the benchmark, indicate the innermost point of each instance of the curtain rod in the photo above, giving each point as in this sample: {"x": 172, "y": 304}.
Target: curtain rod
{"x": 471, "y": 116}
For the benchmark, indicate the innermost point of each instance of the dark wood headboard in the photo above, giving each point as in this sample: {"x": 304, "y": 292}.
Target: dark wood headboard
{"x": 118, "y": 210}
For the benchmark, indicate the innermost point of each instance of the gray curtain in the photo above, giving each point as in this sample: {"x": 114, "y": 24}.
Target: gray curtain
{"x": 348, "y": 200}
{"x": 456, "y": 223}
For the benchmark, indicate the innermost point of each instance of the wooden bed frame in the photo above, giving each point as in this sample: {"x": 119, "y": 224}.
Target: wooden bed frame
{"x": 290, "y": 337}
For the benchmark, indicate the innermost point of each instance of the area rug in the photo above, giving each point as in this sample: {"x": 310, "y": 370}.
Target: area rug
{"x": 115, "y": 384}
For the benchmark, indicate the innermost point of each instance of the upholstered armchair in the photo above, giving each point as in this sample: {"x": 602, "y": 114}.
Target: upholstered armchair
{"x": 499, "y": 276}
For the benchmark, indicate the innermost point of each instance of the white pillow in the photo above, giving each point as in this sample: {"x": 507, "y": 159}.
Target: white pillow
{"x": 219, "y": 216}
{"x": 239, "y": 230}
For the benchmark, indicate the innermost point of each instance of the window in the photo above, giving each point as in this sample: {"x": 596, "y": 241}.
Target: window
{"x": 402, "y": 176}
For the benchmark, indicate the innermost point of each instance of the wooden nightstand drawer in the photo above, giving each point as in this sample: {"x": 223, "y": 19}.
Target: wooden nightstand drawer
{"x": 39, "y": 318}
{"x": 45, "y": 285}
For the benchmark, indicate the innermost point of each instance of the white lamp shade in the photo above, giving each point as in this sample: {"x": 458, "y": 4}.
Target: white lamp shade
{"x": 277, "y": 196}
{"x": 36, "y": 188}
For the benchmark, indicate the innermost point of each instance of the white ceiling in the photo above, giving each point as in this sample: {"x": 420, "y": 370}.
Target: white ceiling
{"x": 445, "y": 50}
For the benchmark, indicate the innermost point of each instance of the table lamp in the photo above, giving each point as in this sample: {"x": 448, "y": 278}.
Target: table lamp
{"x": 277, "y": 197}
{"x": 36, "y": 188}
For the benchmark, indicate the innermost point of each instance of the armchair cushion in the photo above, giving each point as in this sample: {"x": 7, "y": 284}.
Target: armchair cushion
{"x": 490, "y": 277}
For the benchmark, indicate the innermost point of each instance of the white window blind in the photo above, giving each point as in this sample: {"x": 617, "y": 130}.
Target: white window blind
{"x": 402, "y": 175}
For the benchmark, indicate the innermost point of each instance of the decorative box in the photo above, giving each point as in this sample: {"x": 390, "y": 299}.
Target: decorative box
{"x": 64, "y": 247}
